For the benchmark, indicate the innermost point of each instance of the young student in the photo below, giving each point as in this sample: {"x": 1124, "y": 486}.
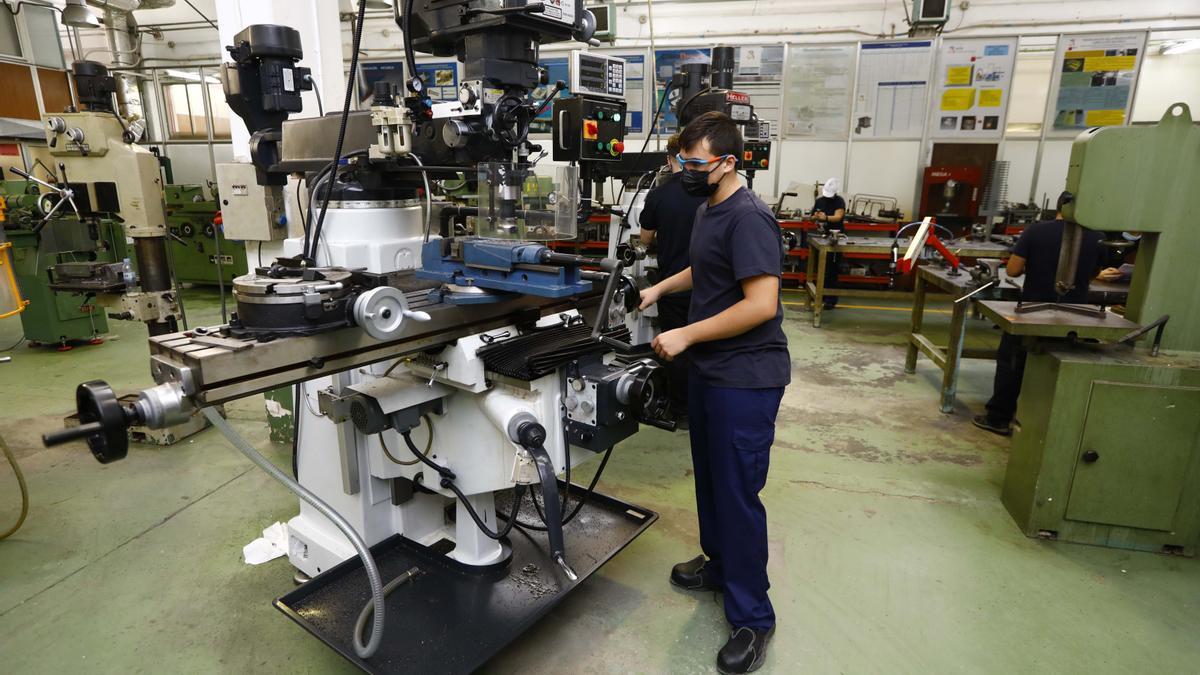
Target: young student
{"x": 667, "y": 218}
{"x": 739, "y": 368}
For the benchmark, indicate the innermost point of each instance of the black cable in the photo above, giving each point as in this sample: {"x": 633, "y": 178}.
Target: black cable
{"x": 410, "y": 59}
{"x": 649, "y": 132}
{"x": 337, "y": 153}
{"x": 295, "y": 428}
{"x": 317, "y": 92}
{"x": 14, "y": 345}
{"x": 591, "y": 488}
{"x": 447, "y": 482}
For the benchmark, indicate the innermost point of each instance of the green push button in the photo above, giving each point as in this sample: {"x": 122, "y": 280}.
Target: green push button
{"x": 616, "y": 117}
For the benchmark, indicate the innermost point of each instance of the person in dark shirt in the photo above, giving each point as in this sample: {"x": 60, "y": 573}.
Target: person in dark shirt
{"x": 830, "y": 210}
{"x": 666, "y": 218}
{"x": 1036, "y": 256}
{"x": 740, "y": 366}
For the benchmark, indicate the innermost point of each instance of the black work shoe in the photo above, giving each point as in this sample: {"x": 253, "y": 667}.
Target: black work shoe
{"x": 745, "y": 651}
{"x": 693, "y": 576}
{"x": 987, "y": 424}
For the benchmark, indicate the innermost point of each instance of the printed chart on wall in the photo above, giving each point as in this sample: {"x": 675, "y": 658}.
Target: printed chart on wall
{"x": 974, "y": 78}
{"x": 817, "y": 96}
{"x": 893, "y": 79}
{"x": 666, "y": 62}
{"x": 635, "y": 91}
{"x": 758, "y": 63}
{"x": 1096, "y": 75}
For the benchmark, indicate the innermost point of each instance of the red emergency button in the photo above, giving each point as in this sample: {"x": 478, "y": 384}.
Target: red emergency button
{"x": 615, "y": 147}
{"x": 591, "y": 130}
{"x": 763, "y": 163}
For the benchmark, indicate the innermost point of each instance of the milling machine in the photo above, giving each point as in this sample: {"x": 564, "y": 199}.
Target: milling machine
{"x": 39, "y": 244}
{"x": 102, "y": 173}
{"x": 1106, "y": 449}
{"x": 441, "y": 381}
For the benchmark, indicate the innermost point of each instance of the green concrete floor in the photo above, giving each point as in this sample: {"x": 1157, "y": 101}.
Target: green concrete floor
{"x": 890, "y": 550}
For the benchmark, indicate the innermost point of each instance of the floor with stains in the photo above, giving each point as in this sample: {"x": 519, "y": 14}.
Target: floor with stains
{"x": 890, "y": 550}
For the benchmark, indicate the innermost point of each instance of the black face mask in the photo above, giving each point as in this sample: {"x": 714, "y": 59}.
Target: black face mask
{"x": 696, "y": 184}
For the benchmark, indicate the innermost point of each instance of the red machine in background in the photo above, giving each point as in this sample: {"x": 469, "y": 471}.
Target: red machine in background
{"x": 951, "y": 194}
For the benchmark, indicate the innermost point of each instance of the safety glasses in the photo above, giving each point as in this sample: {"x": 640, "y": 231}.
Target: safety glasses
{"x": 691, "y": 163}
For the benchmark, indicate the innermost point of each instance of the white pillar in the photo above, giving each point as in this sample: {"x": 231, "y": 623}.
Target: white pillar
{"x": 320, "y": 37}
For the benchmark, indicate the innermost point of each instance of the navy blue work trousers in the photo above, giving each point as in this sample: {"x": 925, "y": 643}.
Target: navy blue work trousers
{"x": 731, "y": 432}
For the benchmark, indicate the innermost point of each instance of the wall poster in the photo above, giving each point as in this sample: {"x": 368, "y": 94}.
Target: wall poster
{"x": 893, "y": 80}
{"x": 816, "y": 98}
{"x": 973, "y": 80}
{"x": 1095, "y": 77}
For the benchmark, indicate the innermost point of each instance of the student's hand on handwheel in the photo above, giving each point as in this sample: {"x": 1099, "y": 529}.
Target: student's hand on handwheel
{"x": 672, "y": 343}
{"x": 649, "y": 296}
{"x": 1109, "y": 274}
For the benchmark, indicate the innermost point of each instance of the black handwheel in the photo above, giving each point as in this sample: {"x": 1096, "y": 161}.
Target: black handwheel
{"x": 103, "y": 422}
{"x": 632, "y": 296}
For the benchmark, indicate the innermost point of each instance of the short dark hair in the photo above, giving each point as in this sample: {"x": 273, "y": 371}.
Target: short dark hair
{"x": 722, "y": 133}
{"x": 673, "y": 145}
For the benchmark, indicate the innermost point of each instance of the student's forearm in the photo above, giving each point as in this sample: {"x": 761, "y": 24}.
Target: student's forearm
{"x": 741, "y": 317}
{"x": 647, "y": 236}
{"x": 676, "y": 283}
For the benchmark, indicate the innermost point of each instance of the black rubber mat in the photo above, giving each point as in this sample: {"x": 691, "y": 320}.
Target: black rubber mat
{"x": 452, "y": 618}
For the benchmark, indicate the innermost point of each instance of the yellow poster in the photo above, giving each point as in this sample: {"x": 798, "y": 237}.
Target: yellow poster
{"x": 958, "y": 99}
{"x": 1084, "y": 54}
{"x": 990, "y": 98}
{"x": 958, "y": 75}
{"x": 1104, "y": 118}
{"x": 1094, "y": 63}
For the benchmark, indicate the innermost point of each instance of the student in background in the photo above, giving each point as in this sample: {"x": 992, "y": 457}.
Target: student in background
{"x": 666, "y": 219}
{"x": 830, "y": 210}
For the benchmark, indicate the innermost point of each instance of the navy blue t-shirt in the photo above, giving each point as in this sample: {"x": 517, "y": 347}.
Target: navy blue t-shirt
{"x": 1039, "y": 245}
{"x": 733, "y": 241}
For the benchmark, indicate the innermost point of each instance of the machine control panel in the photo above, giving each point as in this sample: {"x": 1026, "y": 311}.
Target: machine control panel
{"x": 756, "y": 156}
{"x": 597, "y": 75}
{"x": 589, "y": 129}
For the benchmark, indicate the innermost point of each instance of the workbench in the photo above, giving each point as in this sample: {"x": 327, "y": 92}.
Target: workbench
{"x": 820, "y": 248}
{"x": 948, "y": 358}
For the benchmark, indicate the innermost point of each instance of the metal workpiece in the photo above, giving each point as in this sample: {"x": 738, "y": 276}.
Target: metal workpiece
{"x": 1056, "y": 322}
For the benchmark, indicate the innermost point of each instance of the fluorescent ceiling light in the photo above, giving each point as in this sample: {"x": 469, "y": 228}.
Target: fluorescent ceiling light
{"x": 1182, "y": 47}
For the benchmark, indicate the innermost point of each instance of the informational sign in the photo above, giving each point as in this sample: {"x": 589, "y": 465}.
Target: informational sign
{"x": 667, "y": 61}
{"x": 1095, "y": 77}
{"x": 440, "y": 77}
{"x": 816, "y": 98}
{"x": 635, "y": 92}
{"x": 893, "y": 81}
{"x": 974, "y": 78}
{"x": 758, "y": 63}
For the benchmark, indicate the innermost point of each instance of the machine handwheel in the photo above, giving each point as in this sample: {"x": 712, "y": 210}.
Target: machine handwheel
{"x": 103, "y": 422}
